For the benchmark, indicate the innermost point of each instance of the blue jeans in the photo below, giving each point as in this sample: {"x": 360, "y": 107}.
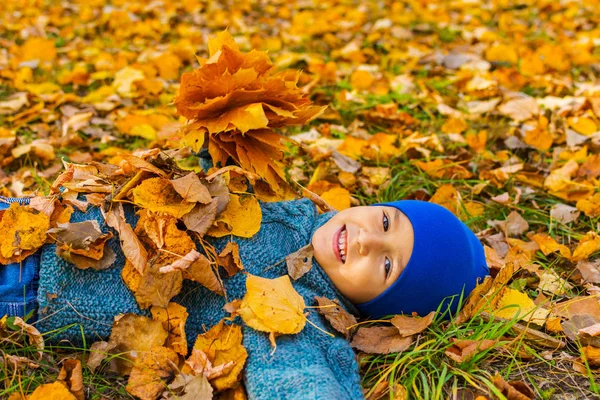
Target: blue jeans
{"x": 19, "y": 281}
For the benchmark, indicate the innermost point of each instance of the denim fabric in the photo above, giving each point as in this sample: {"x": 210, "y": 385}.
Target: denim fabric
{"x": 19, "y": 281}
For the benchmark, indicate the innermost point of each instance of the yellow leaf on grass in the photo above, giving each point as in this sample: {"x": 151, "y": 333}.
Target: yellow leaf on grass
{"x": 242, "y": 218}
{"x": 158, "y": 195}
{"x": 23, "y": 232}
{"x": 352, "y": 147}
{"x": 454, "y": 125}
{"x": 549, "y": 245}
{"x": 338, "y": 198}
{"x": 56, "y": 390}
{"x": 124, "y": 79}
{"x": 37, "y": 48}
{"x": 590, "y": 206}
{"x": 584, "y": 125}
{"x": 513, "y": 304}
{"x": 223, "y": 344}
{"x": 272, "y": 305}
{"x": 502, "y": 53}
{"x": 588, "y": 244}
{"x": 361, "y": 80}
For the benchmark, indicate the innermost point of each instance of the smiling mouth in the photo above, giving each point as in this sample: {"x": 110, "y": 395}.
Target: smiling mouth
{"x": 342, "y": 244}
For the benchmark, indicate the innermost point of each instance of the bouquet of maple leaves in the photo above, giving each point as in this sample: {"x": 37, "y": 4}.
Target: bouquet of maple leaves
{"x": 235, "y": 100}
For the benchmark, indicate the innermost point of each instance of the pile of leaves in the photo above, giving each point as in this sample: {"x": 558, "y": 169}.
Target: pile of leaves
{"x": 490, "y": 109}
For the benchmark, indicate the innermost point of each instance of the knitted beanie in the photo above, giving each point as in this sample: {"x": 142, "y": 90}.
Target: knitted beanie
{"x": 447, "y": 260}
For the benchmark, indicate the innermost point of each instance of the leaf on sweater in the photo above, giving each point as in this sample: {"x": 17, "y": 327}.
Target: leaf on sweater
{"x": 412, "y": 325}
{"x": 133, "y": 249}
{"x": 23, "y": 232}
{"x": 201, "y": 217}
{"x": 463, "y": 350}
{"x": 201, "y": 271}
{"x": 158, "y": 195}
{"x": 56, "y": 390}
{"x": 71, "y": 375}
{"x": 133, "y": 335}
{"x": 189, "y": 387}
{"x": 191, "y": 189}
{"x": 183, "y": 263}
{"x": 45, "y": 205}
{"x": 380, "y": 340}
{"x": 173, "y": 319}
{"x": 156, "y": 288}
{"x": 340, "y": 319}
{"x": 272, "y": 305}
{"x": 151, "y": 371}
{"x": 300, "y": 262}
{"x": 83, "y": 244}
{"x": 229, "y": 258}
{"x": 221, "y": 346}
{"x": 242, "y": 218}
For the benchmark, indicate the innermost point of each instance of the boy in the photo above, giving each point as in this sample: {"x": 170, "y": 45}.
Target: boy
{"x": 403, "y": 256}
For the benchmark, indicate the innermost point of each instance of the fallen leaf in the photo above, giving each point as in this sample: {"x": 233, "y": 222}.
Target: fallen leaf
{"x": 564, "y": 213}
{"x": 300, "y": 262}
{"x": 463, "y": 350}
{"x": 158, "y": 195}
{"x": 71, "y": 375}
{"x": 242, "y": 218}
{"x": 340, "y": 319}
{"x": 513, "y": 390}
{"x": 191, "y": 189}
{"x": 408, "y": 326}
{"x": 56, "y": 390}
{"x": 229, "y": 258}
{"x": 201, "y": 217}
{"x": 189, "y": 387}
{"x": 98, "y": 352}
{"x": 380, "y": 340}
{"x": 23, "y": 232}
{"x": 132, "y": 247}
{"x": 151, "y": 370}
{"x": 173, "y": 320}
{"x": 272, "y": 305}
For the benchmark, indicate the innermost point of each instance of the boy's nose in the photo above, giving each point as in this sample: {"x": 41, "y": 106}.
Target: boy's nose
{"x": 367, "y": 242}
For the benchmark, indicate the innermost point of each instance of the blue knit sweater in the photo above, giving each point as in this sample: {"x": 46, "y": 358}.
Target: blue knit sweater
{"x": 309, "y": 365}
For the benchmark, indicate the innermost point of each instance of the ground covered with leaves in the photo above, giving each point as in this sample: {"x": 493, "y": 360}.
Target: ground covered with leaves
{"x": 491, "y": 109}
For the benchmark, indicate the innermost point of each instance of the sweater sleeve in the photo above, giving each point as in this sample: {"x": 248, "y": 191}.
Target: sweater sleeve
{"x": 309, "y": 365}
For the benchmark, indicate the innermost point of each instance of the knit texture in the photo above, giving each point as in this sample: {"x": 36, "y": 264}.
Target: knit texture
{"x": 309, "y": 365}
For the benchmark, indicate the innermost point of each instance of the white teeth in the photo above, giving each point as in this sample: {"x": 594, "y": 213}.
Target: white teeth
{"x": 342, "y": 245}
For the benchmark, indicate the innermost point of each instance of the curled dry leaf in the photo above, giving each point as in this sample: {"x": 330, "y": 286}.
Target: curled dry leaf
{"x": 229, "y": 258}
{"x": 222, "y": 345}
{"x": 98, "y": 352}
{"x": 380, "y": 340}
{"x": 132, "y": 247}
{"x": 300, "y": 262}
{"x": 183, "y": 263}
{"x": 201, "y": 271}
{"x": 173, "y": 319}
{"x": 45, "y": 205}
{"x": 408, "y": 326}
{"x": 71, "y": 375}
{"x": 35, "y": 337}
{"x": 133, "y": 335}
{"x": 513, "y": 390}
{"x": 272, "y": 305}
{"x": 23, "y": 232}
{"x": 463, "y": 350}
{"x": 564, "y": 213}
{"x": 83, "y": 244}
{"x": 151, "y": 371}
{"x": 340, "y": 319}
{"x": 199, "y": 364}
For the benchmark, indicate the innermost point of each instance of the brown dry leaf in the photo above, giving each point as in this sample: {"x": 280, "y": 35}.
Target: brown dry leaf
{"x": 151, "y": 371}
{"x": 71, "y": 375}
{"x": 83, "y": 244}
{"x": 202, "y": 272}
{"x": 45, "y": 205}
{"x": 590, "y": 271}
{"x": 564, "y": 213}
{"x": 183, "y": 263}
{"x": 242, "y": 218}
{"x": 222, "y": 344}
{"x": 189, "y": 387}
{"x": 23, "y": 232}
{"x": 33, "y": 334}
{"x": 173, "y": 319}
{"x": 578, "y": 306}
{"x": 98, "y": 352}
{"x": 272, "y": 305}
{"x": 463, "y": 350}
{"x": 157, "y": 288}
{"x": 340, "y": 319}
{"x": 191, "y": 189}
{"x": 380, "y": 340}
{"x": 476, "y": 300}
{"x": 513, "y": 390}
{"x": 199, "y": 364}
{"x": 133, "y": 335}
{"x": 133, "y": 249}
{"x": 300, "y": 262}
{"x": 229, "y": 258}
{"x": 56, "y": 390}
{"x": 408, "y": 326}
{"x": 158, "y": 195}
{"x": 202, "y": 216}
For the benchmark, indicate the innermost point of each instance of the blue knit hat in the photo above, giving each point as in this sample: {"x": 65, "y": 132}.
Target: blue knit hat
{"x": 446, "y": 258}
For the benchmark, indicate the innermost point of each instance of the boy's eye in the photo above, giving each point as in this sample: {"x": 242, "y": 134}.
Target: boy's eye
{"x": 388, "y": 267}
{"x": 386, "y": 223}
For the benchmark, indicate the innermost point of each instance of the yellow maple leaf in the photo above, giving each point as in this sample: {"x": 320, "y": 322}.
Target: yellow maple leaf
{"x": 23, "y": 232}
{"x": 272, "y": 305}
{"x": 242, "y": 217}
{"x": 158, "y": 195}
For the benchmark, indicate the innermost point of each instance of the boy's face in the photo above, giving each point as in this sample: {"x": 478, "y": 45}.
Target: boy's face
{"x": 364, "y": 250}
